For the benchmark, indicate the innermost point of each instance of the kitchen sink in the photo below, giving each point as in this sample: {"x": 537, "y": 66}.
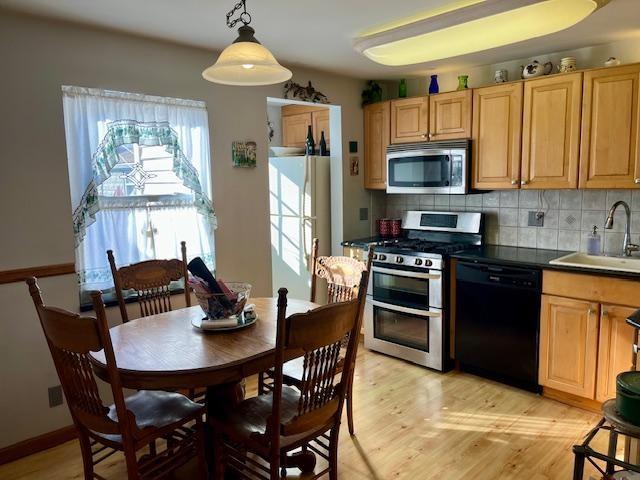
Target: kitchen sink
{"x": 577, "y": 259}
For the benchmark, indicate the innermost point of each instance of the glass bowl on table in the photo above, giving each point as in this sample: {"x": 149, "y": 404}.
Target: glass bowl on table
{"x": 226, "y": 311}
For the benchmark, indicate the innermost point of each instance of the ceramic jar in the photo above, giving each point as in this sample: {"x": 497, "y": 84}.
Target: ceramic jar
{"x": 536, "y": 69}
{"x": 567, "y": 65}
{"x": 501, "y": 76}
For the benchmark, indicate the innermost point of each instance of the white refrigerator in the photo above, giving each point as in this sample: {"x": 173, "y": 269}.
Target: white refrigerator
{"x": 300, "y": 206}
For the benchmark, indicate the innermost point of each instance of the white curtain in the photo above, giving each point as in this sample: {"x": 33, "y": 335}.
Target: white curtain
{"x": 134, "y": 234}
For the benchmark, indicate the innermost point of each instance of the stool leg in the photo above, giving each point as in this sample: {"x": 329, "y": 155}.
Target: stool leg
{"x": 578, "y": 466}
{"x": 613, "y": 447}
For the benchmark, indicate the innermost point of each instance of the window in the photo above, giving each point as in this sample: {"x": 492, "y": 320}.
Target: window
{"x": 139, "y": 178}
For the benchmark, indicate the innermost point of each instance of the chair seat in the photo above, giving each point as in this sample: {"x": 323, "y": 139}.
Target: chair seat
{"x": 247, "y": 421}
{"x": 156, "y": 409}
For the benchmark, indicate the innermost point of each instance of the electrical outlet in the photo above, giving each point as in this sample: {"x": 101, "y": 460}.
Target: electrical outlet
{"x": 364, "y": 214}
{"x": 55, "y": 396}
{"x": 536, "y": 219}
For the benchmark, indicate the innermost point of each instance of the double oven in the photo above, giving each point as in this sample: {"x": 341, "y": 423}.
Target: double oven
{"x": 403, "y": 313}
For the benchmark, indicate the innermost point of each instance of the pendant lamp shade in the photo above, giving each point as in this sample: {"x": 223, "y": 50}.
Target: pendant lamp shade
{"x": 246, "y": 62}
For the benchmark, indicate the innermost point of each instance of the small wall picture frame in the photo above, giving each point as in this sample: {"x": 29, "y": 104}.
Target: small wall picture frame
{"x": 243, "y": 154}
{"x": 354, "y": 166}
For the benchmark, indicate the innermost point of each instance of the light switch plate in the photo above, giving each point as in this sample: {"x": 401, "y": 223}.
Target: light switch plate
{"x": 55, "y": 396}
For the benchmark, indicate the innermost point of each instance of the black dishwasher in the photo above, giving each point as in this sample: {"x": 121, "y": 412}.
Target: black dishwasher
{"x": 498, "y": 322}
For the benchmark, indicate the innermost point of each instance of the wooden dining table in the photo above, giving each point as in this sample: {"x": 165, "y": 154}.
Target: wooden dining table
{"x": 166, "y": 352}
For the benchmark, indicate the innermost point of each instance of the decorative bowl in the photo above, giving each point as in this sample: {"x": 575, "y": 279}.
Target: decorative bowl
{"x": 213, "y": 304}
{"x": 286, "y": 151}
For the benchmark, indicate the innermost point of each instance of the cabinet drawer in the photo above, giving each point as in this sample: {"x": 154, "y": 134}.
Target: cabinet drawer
{"x": 592, "y": 288}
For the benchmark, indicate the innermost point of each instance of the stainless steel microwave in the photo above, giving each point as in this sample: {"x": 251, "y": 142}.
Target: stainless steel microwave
{"x": 429, "y": 167}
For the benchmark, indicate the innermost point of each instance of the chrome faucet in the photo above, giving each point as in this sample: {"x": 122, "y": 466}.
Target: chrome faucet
{"x": 627, "y": 246}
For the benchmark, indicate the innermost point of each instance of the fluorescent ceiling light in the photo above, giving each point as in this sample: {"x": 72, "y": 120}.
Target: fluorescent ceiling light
{"x": 474, "y": 27}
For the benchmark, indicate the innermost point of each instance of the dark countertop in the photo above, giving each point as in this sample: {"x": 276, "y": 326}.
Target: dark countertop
{"x": 532, "y": 257}
{"x": 363, "y": 242}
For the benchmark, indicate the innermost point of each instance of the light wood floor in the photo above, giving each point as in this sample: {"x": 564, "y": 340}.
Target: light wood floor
{"x": 413, "y": 424}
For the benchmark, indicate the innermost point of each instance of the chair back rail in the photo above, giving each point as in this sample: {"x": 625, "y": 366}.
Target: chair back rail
{"x": 150, "y": 280}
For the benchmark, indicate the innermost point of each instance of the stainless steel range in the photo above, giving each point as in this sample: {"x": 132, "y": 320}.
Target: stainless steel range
{"x": 406, "y": 312}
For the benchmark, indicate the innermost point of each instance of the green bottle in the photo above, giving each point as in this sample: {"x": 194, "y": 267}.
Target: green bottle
{"x": 402, "y": 89}
{"x": 310, "y": 144}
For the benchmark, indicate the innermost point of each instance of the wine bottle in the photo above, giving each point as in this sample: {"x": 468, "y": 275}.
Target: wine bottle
{"x": 198, "y": 268}
{"x": 322, "y": 149}
{"x": 310, "y": 145}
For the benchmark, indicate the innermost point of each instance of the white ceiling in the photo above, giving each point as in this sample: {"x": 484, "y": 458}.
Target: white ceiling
{"x": 318, "y": 34}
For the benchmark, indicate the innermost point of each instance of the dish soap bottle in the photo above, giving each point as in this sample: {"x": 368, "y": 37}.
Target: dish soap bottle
{"x": 594, "y": 242}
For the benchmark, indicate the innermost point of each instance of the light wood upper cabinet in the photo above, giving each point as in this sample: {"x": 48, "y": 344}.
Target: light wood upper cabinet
{"x": 296, "y": 120}
{"x": 450, "y": 115}
{"x": 569, "y": 345}
{"x": 376, "y": 135}
{"x": 294, "y": 129}
{"x": 497, "y": 134}
{"x": 320, "y": 123}
{"x": 551, "y": 131}
{"x": 409, "y": 120}
{"x": 615, "y": 349}
{"x": 610, "y": 150}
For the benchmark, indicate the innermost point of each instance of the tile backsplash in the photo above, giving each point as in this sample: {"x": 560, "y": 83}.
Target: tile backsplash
{"x": 569, "y": 215}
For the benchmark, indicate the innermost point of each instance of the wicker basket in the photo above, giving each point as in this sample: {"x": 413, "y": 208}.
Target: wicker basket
{"x": 214, "y": 309}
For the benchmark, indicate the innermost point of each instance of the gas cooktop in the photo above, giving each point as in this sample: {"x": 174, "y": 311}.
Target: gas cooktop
{"x": 414, "y": 246}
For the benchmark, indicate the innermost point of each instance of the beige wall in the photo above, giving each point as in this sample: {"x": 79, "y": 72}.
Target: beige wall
{"x": 38, "y": 56}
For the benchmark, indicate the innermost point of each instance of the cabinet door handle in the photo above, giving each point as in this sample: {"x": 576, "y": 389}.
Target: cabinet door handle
{"x": 431, "y": 135}
{"x": 637, "y": 180}
{"x": 514, "y": 182}
{"x": 524, "y": 182}
{"x": 424, "y": 135}
{"x": 604, "y": 312}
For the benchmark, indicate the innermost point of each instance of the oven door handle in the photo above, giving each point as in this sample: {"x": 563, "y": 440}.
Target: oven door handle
{"x": 401, "y": 273}
{"x": 411, "y": 311}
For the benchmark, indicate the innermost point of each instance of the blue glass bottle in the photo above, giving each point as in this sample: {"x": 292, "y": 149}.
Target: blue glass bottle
{"x": 433, "y": 86}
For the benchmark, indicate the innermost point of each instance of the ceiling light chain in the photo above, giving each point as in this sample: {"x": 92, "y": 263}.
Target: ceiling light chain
{"x": 244, "y": 17}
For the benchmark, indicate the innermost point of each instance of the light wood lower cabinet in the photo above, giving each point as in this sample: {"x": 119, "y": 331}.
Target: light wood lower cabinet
{"x": 569, "y": 345}
{"x": 585, "y": 342}
{"x": 615, "y": 348}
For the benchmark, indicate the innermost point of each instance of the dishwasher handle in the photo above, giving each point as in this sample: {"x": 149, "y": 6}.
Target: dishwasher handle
{"x": 487, "y": 274}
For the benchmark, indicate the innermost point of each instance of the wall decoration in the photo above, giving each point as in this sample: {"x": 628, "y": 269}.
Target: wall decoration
{"x": 371, "y": 94}
{"x": 306, "y": 94}
{"x": 354, "y": 167}
{"x": 243, "y": 154}
{"x": 270, "y": 130}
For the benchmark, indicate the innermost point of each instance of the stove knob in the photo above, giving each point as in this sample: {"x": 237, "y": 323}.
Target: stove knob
{"x": 382, "y": 257}
{"x": 418, "y": 261}
{"x": 375, "y": 256}
{"x": 399, "y": 259}
{"x": 428, "y": 263}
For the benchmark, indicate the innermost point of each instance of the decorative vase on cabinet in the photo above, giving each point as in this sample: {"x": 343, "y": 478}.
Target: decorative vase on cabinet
{"x": 433, "y": 86}
{"x": 463, "y": 82}
{"x": 402, "y": 89}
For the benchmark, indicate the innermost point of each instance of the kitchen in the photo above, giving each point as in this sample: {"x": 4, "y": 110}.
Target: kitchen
{"x": 494, "y": 188}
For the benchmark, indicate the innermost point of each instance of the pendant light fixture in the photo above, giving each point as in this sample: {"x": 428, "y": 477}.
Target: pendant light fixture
{"x": 245, "y": 62}
{"x": 470, "y": 26}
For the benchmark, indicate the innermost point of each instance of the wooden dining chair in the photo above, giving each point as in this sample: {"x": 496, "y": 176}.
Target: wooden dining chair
{"x": 150, "y": 280}
{"x": 342, "y": 275}
{"x": 255, "y": 437}
{"x": 135, "y": 425}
